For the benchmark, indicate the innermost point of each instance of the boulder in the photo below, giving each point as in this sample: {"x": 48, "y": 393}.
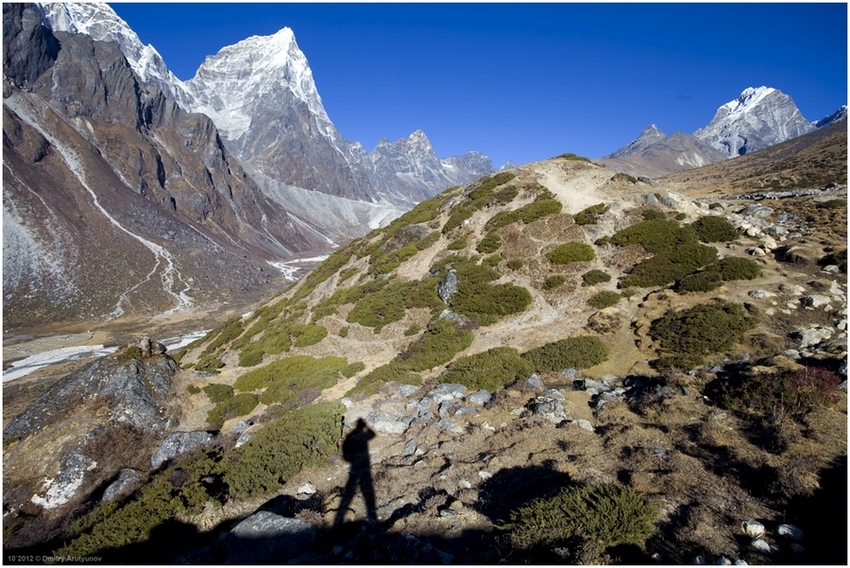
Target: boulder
{"x": 67, "y": 484}
{"x": 811, "y": 337}
{"x": 128, "y": 481}
{"x": 266, "y": 537}
{"x": 790, "y": 532}
{"x": 548, "y": 408}
{"x": 753, "y": 529}
{"x": 479, "y": 398}
{"x": 385, "y": 423}
{"x": 448, "y": 287}
{"x": 177, "y": 444}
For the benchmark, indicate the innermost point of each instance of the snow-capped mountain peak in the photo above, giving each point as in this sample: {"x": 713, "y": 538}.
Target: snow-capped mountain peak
{"x": 758, "y": 118}
{"x": 101, "y": 23}
{"x": 748, "y": 99}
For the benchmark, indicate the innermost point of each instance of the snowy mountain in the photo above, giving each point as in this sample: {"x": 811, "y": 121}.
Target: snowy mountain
{"x": 261, "y": 95}
{"x": 758, "y": 118}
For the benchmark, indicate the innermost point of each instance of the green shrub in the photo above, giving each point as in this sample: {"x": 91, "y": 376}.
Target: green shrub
{"x": 298, "y": 370}
{"x": 651, "y": 214}
{"x": 604, "y": 516}
{"x": 131, "y": 352}
{"x": 192, "y": 389}
{"x": 328, "y": 268}
{"x": 505, "y": 195}
{"x": 578, "y": 352}
{"x": 713, "y": 229}
{"x": 458, "y": 244}
{"x": 535, "y": 210}
{"x": 680, "y": 216}
{"x": 571, "y": 252}
{"x": 437, "y": 345}
{"x": 492, "y": 261}
{"x": 594, "y": 276}
{"x": 604, "y": 299}
{"x": 554, "y": 281}
{"x": 485, "y": 302}
{"x": 655, "y": 271}
{"x": 490, "y": 243}
{"x": 412, "y": 330}
{"x": 655, "y": 236}
{"x": 573, "y": 157}
{"x": 459, "y": 214}
{"x": 383, "y": 306}
{"x": 515, "y": 264}
{"x": 734, "y": 268}
{"x": 217, "y": 392}
{"x": 704, "y": 281}
{"x": 237, "y": 405}
{"x": 393, "y": 371}
{"x": 209, "y": 363}
{"x": 299, "y": 439}
{"x": 226, "y": 332}
{"x": 490, "y": 370}
{"x": 591, "y": 215}
{"x": 692, "y": 255}
{"x": 304, "y": 335}
{"x": 352, "y": 369}
{"x": 701, "y": 330}
{"x": 343, "y": 331}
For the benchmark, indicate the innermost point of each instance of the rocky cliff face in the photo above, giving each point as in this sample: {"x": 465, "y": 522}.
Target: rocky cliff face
{"x": 117, "y": 199}
{"x": 758, "y": 118}
{"x": 261, "y": 95}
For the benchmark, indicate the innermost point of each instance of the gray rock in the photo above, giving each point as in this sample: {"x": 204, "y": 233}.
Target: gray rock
{"x": 669, "y": 201}
{"x": 762, "y": 547}
{"x": 267, "y": 537}
{"x": 651, "y": 199}
{"x": 407, "y": 390}
{"x": 177, "y": 444}
{"x": 306, "y": 489}
{"x": 448, "y": 407}
{"x": 815, "y": 301}
{"x": 452, "y": 316}
{"x": 466, "y": 411}
{"x": 569, "y": 374}
{"x": 556, "y": 394}
{"x": 447, "y": 391}
{"x": 548, "y": 408}
{"x": 752, "y": 528}
{"x": 811, "y": 337}
{"x": 424, "y": 405}
{"x": 479, "y": 398}
{"x": 242, "y": 425}
{"x": 244, "y": 438}
{"x": 67, "y": 484}
{"x": 450, "y": 426}
{"x": 792, "y": 289}
{"x": 535, "y": 382}
{"x": 584, "y": 424}
{"x": 790, "y": 532}
{"x": 128, "y": 481}
{"x": 385, "y": 423}
{"x": 409, "y": 447}
{"x": 448, "y": 287}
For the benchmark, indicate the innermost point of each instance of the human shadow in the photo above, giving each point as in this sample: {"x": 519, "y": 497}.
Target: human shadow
{"x": 355, "y": 450}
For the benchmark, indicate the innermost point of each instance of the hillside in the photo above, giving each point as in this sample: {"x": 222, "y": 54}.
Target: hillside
{"x": 550, "y": 339}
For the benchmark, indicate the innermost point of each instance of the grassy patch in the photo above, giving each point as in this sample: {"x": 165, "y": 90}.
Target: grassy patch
{"x": 591, "y": 215}
{"x": 489, "y": 244}
{"x": 580, "y": 352}
{"x": 604, "y": 299}
{"x": 235, "y": 406}
{"x": 571, "y": 252}
{"x": 594, "y": 276}
{"x": 490, "y": 370}
{"x": 554, "y": 281}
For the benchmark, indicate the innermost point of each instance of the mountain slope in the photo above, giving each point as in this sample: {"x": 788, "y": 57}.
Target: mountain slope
{"x": 120, "y": 200}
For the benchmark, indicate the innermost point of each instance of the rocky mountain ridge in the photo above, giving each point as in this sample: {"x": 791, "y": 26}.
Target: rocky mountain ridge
{"x": 117, "y": 200}
{"x": 261, "y": 95}
{"x": 758, "y": 118}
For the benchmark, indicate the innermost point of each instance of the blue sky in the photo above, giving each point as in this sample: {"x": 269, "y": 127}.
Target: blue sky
{"x": 526, "y": 82}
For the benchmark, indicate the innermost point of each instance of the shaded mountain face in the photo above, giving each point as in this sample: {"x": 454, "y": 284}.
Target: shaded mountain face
{"x": 654, "y": 154}
{"x": 261, "y": 95}
{"x": 115, "y": 199}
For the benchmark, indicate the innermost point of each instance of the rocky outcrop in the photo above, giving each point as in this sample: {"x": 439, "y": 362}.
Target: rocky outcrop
{"x": 134, "y": 393}
{"x": 177, "y": 444}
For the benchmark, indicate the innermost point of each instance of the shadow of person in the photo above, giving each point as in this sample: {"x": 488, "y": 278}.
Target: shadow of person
{"x": 355, "y": 450}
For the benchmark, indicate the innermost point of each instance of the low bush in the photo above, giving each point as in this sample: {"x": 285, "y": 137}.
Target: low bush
{"x": 393, "y": 371}
{"x": 437, "y": 345}
{"x": 489, "y": 244}
{"x": 233, "y": 407}
{"x": 604, "y": 299}
{"x": 515, "y": 264}
{"x": 594, "y": 276}
{"x": 217, "y": 392}
{"x": 655, "y": 236}
{"x": 604, "y": 516}
{"x": 714, "y": 229}
{"x": 477, "y": 298}
{"x": 571, "y": 252}
{"x": 299, "y": 439}
{"x": 304, "y": 335}
{"x": 650, "y": 214}
{"x": 591, "y": 215}
{"x": 701, "y": 330}
{"x": 655, "y": 271}
{"x": 343, "y": 331}
{"x": 580, "y": 352}
{"x": 459, "y": 243}
{"x": 537, "y": 209}
{"x": 284, "y": 380}
{"x": 209, "y": 363}
{"x": 490, "y": 370}
{"x": 704, "y": 281}
{"x": 734, "y": 268}
{"x": 412, "y": 330}
{"x": 505, "y": 195}
{"x": 554, "y": 281}
{"x": 573, "y": 157}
